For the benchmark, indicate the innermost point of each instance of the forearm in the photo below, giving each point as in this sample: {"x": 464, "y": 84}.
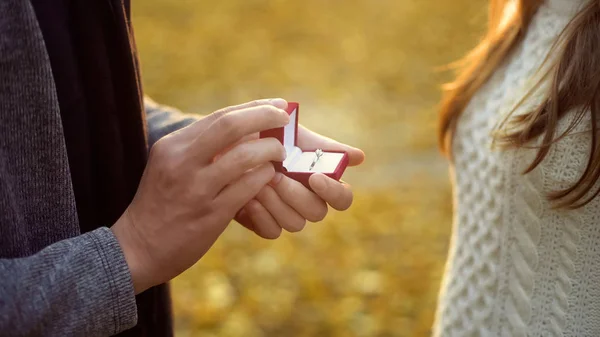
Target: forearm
{"x": 80, "y": 286}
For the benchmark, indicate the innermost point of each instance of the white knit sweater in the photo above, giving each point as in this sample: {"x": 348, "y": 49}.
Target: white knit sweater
{"x": 517, "y": 267}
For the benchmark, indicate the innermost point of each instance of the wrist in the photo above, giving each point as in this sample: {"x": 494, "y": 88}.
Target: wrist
{"x": 126, "y": 235}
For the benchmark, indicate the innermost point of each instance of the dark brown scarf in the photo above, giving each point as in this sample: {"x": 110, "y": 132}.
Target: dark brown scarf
{"x": 92, "y": 51}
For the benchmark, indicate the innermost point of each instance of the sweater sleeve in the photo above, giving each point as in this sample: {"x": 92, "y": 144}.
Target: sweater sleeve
{"x": 163, "y": 120}
{"x": 75, "y": 287}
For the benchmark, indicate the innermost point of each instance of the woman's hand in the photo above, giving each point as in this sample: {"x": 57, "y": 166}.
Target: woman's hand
{"x": 287, "y": 204}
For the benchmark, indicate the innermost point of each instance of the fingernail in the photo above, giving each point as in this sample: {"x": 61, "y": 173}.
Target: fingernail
{"x": 277, "y": 178}
{"x": 279, "y": 102}
{"x": 318, "y": 183}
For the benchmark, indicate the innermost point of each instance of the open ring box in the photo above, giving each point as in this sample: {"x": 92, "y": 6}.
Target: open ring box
{"x": 297, "y": 164}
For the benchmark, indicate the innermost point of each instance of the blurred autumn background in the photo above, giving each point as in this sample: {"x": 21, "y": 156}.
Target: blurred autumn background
{"x": 365, "y": 73}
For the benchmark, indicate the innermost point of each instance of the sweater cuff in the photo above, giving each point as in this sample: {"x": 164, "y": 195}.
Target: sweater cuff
{"x": 121, "y": 289}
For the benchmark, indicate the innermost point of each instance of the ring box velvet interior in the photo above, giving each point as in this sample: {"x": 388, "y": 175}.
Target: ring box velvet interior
{"x": 297, "y": 163}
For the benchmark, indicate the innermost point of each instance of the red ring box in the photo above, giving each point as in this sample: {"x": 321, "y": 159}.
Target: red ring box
{"x": 298, "y": 161}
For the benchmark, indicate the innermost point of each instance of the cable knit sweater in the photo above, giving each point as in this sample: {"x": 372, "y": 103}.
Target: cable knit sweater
{"x": 516, "y": 266}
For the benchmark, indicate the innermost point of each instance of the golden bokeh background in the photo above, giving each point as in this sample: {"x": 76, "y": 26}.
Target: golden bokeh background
{"x": 365, "y": 73}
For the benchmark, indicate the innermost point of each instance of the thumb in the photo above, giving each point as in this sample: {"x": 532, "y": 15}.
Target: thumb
{"x": 310, "y": 140}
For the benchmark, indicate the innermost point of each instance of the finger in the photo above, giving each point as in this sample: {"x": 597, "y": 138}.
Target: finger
{"x": 265, "y": 225}
{"x": 242, "y": 140}
{"x": 286, "y": 217}
{"x": 242, "y": 158}
{"x": 276, "y": 102}
{"x": 233, "y": 197}
{"x": 337, "y": 194}
{"x": 310, "y": 140}
{"x": 201, "y": 125}
{"x": 309, "y": 205}
{"x": 244, "y": 219}
{"x": 231, "y": 127}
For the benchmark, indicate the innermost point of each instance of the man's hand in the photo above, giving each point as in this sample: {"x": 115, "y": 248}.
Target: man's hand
{"x": 287, "y": 204}
{"x": 186, "y": 198}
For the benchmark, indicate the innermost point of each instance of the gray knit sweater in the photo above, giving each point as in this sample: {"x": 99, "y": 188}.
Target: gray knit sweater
{"x": 53, "y": 280}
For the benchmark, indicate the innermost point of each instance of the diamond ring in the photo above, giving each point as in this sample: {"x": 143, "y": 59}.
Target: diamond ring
{"x": 318, "y": 154}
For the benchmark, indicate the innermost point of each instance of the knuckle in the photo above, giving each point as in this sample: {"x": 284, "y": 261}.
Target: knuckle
{"x": 165, "y": 155}
{"x": 287, "y": 188}
{"x": 264, "y": 173}
{"x": 271, "y": 142}
{"x": 220, "y": 113}
{"x": 254, "y": 207}
{"x": 228, "y": 126}
{"x": 208, "y": 121}
{"x": 202, "y": 193}
{"x": 258, "y": 102}
{"x": 243, "y": 155}
{"x": 200, "y": 202}
{"x": 216, "y": 205}
{"x": 210, "y": 206}
{"x": 270, "y": 111}
{"x": 161, "y": 147}
{"x": 274, "y": 145}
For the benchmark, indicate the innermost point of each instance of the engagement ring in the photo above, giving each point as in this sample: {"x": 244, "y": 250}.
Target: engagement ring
{"x": 318, "y": 154}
